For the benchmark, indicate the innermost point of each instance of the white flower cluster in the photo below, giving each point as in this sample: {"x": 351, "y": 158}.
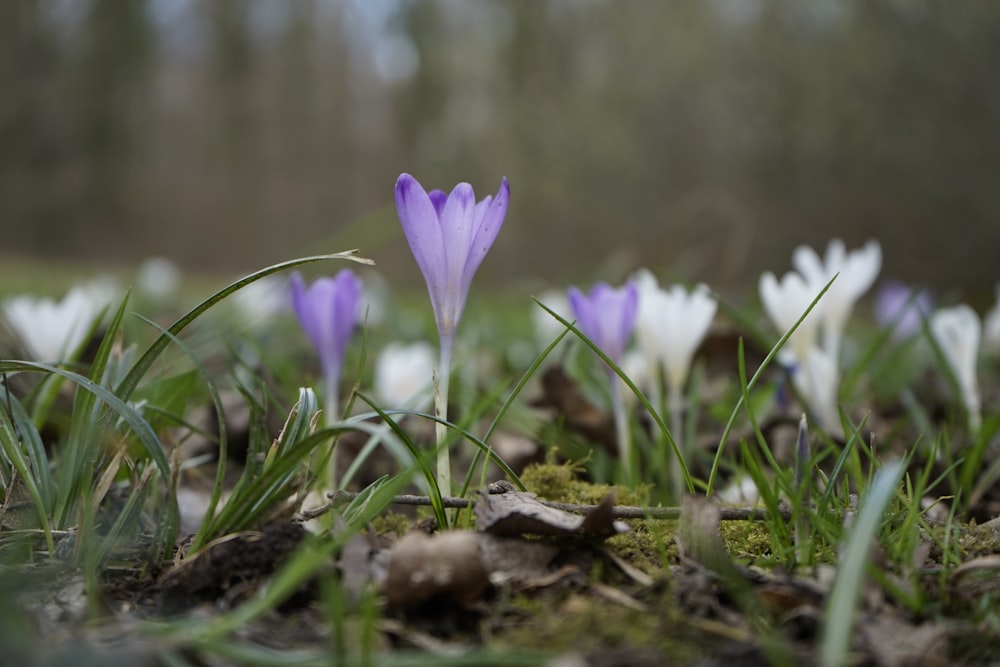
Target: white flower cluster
{"x": 53, "y": 331}
{"x": 815, "y": 368}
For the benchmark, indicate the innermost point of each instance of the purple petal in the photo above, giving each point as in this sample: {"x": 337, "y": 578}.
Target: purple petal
{"x": 438, "y": 198}
{"x": 422, "y": 228}
{"x": 629, "y": 312}
{"x": 607, "y": 316}
{"x": 300, "y": 302}
{"x": 346, "y": 297}
{"x": 585, "y": 321}
{"x": 490, "y": 214}
{"x": 457, "y": 227}
{"x": 328, "y": 311}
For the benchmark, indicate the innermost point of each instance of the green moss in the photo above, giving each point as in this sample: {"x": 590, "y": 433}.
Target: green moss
{"x": 558, "y": 621}
{"x": 561, "y": 483}
{"x": 391, "y": 522}
{"x": 650, "y": 545}
{"x": 980, "y": 540}
{"x": 746, "y": 539}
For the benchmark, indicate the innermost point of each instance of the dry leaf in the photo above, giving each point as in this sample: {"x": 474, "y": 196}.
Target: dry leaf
{"x": 513, "y": 512}
{"x": 423, "y": 566}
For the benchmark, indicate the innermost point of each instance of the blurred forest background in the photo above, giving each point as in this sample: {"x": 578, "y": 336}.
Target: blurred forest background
{"x": 702, "y": 138}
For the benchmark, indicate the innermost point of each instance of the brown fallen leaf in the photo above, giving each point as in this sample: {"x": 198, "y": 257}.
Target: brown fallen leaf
{"x": 463, "y": 565}
{"x": 520, "y": 563}
{"x": 513, "y": 512}
{"x": 895, "y": 642}
{"x": 562, "y": 393}
{"x": 423, "y": 566}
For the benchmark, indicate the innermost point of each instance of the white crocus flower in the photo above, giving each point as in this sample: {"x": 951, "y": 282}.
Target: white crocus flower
{"x": 52, "y": 331}
{"x": 785, "y": 302}
{"x": 818, "y": 380}
{"x": 855, "y": 271}
{"x": 158, "y": 278}
{"x": 742, "y": 492}
{"x": 991, "y": 327}
{"x": 687, "y": 317}
{"x": 403, "y": 375}
{"x": 671, "y": 325}
{"x": 637, "y": 368}
{"x": 548, "y": 328}
{"x": 957, "y": 331}
{"x": 261, "y": 301}
{"x": 647, "y": 331}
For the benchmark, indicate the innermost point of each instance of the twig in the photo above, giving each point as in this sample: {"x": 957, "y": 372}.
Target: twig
{"x": 617, "y": 512}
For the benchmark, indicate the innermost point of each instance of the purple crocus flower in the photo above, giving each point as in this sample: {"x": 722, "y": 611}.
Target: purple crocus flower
{"x": 902, "y": 307}
{"x": 449, "y": 236}
{"x": 607, "y": 316}
{"x": 328, "y": 311}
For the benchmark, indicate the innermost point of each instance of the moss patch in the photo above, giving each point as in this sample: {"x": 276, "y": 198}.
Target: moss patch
{"x": 561, "y": 621}
{"x": 561, "y": 483}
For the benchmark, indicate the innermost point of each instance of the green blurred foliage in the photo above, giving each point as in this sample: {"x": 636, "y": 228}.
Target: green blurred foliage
{"x": 704, "y": 138}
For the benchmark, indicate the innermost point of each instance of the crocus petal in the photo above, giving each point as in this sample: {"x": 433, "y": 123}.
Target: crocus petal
{"x": 855, "y": 272}
{"x": 458, "y": 226}
{"x": 300, "y": 304}
{"x": 438, "y": 199}
{"x": 807, "y": 262}
{"x": 785, "y": 302}
{"x": 548, "y": 328}
{"x": 818, "y": 380}
{"x": 957, "y": 331}
{"x": 327, "y": 312}
{"x": 991, "y": 327}
{"x": 607, "y": 316}
{"x": 421, "y": 224}
{"x": 903, "y": 308}
{"x": 649, "y": 318}
{"x": 449, "y": 237}
{"x": 687, "y": 318}
{"x": 863, "y": 267}
{"x": 403, "y": 375}
{"x": 490, "y": 214}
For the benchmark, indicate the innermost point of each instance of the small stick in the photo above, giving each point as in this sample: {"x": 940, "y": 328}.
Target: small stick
{"x": 617, "y": 512}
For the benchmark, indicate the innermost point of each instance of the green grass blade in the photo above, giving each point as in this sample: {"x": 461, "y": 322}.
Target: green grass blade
{"x": 127, "y": 413}
{"x": 81, "y": 454}
{"x": 753, "y": 382}
{"x": 483, "y": 447}
{"x": 641, "y": 397}
{"x": 841, "y": 606}
{"x": 423, "y": 465}
{"x": 131, "y": 381}
{"x": 509, "y": 402}
{"x": 11, "y": 447}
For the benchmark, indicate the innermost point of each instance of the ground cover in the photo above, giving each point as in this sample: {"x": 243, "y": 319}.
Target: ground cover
{"x": 166, "y": 499}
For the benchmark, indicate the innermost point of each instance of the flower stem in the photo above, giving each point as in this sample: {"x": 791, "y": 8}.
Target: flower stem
{"x": 621, "y": 429}
{"x": 970, "y": 395}
{"x": 331, "y": 414}
{"x": 802, "y": 544}
{"x": 441, "y": 411}
{"x": 675, "y": 400}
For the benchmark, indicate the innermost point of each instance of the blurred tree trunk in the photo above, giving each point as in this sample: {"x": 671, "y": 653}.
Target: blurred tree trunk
{"x": 29, "y": 130}
{"x": 111, "y": 95}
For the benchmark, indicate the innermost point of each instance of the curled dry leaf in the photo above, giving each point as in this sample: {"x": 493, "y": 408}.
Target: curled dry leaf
{"x": 462, "y": 566}
{"x": 507, "y": 511}
{"x": 423, "y": 566}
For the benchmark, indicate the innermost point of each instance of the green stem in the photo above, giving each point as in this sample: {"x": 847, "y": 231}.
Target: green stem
{"x": 621, "y": 429}
{"x": 441, "y": 411}
{"x": 331, "y": 414}
{"x": 675, "y": 399}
